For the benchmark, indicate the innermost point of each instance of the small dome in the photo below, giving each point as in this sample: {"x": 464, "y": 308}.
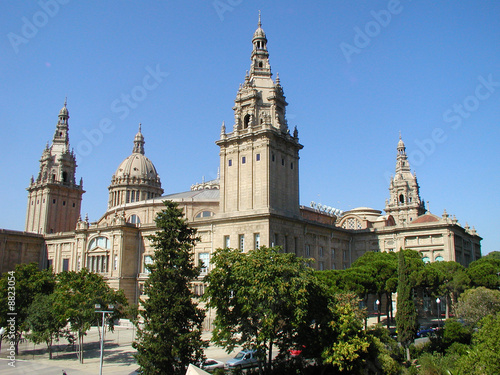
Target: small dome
{"x": 259, "y": 33}
{"x": 64, "y": 110}
{"x": 401, "y": 144}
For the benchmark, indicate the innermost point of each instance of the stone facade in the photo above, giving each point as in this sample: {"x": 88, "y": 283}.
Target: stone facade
{"x": 253, "y": 202}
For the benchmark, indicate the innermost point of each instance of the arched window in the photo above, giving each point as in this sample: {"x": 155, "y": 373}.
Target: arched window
{"x": 439, "y": 258}
{"x": 204, "y": 214}
{"x": 102, "y": 242}
{"x": 98, "y": 258}
{"x": 134, "y": 219}
{"x": 401, "y": 198}
{"x": 246, "y": 121}
{"x": 426, "y": 259}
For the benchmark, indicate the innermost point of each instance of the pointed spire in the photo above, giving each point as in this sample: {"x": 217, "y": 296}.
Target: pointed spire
{"x": 139, "y": 142}
{"x": 260, "y": 23}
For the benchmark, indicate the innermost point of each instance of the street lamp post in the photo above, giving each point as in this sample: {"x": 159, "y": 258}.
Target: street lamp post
{"x": 103, "y": 312}
{"x": 377, "y": 302}
{"x": 438, "y": 301}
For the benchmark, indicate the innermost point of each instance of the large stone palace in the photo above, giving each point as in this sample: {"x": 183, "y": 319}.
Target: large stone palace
{"x": 253, "y": 202}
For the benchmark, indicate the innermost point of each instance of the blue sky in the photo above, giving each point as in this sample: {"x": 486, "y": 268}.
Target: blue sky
{"x": 355, "y": 74}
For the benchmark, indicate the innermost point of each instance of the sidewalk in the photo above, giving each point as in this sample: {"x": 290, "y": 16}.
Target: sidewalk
{"x": 118, "y": 355}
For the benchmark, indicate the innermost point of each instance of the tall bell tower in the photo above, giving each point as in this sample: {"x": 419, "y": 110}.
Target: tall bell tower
{"x": 259, "y": 158}
{"x": 54, "y": 198}
{"x": 405, "y": 204}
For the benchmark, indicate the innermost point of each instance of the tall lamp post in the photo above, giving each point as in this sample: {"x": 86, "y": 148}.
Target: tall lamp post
{"x": 103, "y": 312}
{"x": 377, "y": 302}
{"x": 438, "y": 301}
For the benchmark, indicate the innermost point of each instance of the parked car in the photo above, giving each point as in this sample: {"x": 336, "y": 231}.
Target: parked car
{"x": 245, "y": 358}
{"x": 425, "y": 331}
{"x": 210, "y": 364}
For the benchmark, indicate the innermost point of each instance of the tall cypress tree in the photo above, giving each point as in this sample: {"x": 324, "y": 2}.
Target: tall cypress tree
{"x": 170, "y": 337}
{"x": 406, "y": 317}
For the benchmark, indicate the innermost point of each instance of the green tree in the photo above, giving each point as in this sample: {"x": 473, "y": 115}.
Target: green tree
{"x": 44, "y": 322}
{"x": 445, "y": 279}
{"x": 475, "y": 304}
{"x": 485, "y": 272}
{"x": 20, "y": 287}
{"x": 170, "y": 338}
{"x": 484, "y": 354}
{"x": 349, "y": 344}
{"x": 406, "y": 317}
{"x": 382, "y": 268}
{"x": 77, "y": 293}
{"x": 265, "y": 298}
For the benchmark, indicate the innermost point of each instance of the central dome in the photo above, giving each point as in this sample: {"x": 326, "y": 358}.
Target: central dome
{"x": 136, "y": 178}
{"x": 137, "y": 166}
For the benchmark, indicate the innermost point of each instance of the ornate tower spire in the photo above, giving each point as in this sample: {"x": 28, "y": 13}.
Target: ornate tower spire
{"x": 260, "y": 56}
{"x": 259, "y": 142}
{"x": 54, "y": 198}
{"x": 405, "y": 203}
{"x": 60, "y": 141}
{"x": 139, "y": 142}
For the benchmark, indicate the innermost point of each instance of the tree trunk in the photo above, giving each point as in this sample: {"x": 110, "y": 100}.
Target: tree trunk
{"x": 388, "y": 301}
{"x": 270, "y": 355}
{"x": 49, "y": 347}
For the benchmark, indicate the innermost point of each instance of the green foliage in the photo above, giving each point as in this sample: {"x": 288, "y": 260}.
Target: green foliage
{"x": 44, "y": 322}
{"x": 485, "y": 272}
{"x": 475, "y": 304}
{"x": 484, "y": 355}
{"x": 349, "y": 342}
{"x": 455, "y": 332}
{"x": 266, "y": 298}
{"x": 27, "y": 282}
{"x": 77, "y": 293}
{"x": 406, "y": 317}
{"x": 170, "y": 338}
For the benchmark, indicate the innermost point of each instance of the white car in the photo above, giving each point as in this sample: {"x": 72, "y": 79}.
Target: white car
{"x": 210, "y": 364}
{"x": 245, "y": 358}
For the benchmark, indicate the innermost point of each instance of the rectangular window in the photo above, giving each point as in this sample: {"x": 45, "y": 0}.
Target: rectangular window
{"x": 276, "y": 238}
{"x": 242, "y": 242}
{"x": 115, "y": 263}
{"x": 204, "y": 262}
{"x": 147, "y": 260}
{"x": 78, "y": 263}
{"x": 308, "y": 251}
{"x": 291, "y": 165}
{"x": 346, "y": 258}
{"x": 321, "y": 266}
{"x": 230, "y": 162}
{"x": 65, "y": 265}
{"x": 257, "y": 157}
{"x": 256, "y": 238}
{"x": 321, "y": 254}
{"x": 243, "y": 160}
{"x": 227, "y": 242}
